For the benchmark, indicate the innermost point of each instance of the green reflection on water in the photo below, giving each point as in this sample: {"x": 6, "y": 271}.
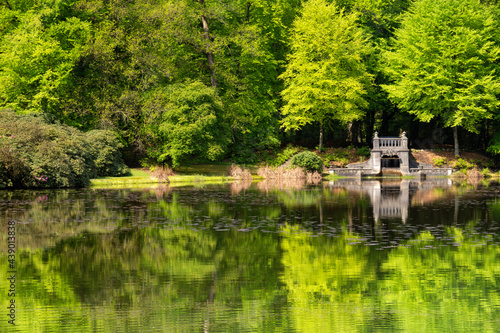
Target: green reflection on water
{"x": 290, "y": 260}
{"x": 341, "y": 285}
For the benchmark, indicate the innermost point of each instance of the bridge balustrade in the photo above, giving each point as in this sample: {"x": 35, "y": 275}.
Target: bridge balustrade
{"x": 398, "y": 143}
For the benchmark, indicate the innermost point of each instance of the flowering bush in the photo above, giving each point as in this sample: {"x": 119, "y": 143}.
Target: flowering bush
{"x": 36, "y": 154}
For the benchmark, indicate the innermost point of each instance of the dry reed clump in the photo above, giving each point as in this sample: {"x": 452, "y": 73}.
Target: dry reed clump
{"x": 162, "y": 173}
{"x": 239, "y": 173}
{"x": 289, "y": 173}
{"x": 268, "y": 172}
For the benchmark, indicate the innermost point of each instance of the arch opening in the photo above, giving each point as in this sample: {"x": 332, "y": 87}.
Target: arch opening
{"x": 390, "y": 162}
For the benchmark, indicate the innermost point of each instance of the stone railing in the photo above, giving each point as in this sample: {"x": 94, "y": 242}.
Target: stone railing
{"x": 397, "y": 143}
{"x": 432, "y": 171}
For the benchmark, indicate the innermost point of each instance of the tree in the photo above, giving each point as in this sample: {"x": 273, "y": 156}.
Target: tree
{"x": 325, "y": 77}
{"x": 444, "y": 63}
{"x": 185, "y": 120}
{"x": 39, "y": 46}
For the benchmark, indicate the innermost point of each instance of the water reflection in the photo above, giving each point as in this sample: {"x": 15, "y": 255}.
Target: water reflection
{"x": 392, "y": 198}
{"x": 244, "y": 258}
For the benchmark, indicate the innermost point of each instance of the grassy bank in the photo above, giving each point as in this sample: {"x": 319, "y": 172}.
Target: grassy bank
{"x": 141, "y": 177}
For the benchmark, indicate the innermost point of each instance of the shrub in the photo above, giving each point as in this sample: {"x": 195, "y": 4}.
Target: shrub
{"x": 363, "y": 151}
{"x": 494, "y": 147}
{"x": 282, "y": 157}
{"x": 104, "y": 149}
{"x": 463, "y": 165}
{"x": 486, "y": 173}
{"x": 308, "y": 161}
{"x": 36, "y": 154}
{"x": 439, "y": 161}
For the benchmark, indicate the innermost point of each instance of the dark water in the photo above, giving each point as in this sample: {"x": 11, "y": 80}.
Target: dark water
{"x": 338, "y": 257}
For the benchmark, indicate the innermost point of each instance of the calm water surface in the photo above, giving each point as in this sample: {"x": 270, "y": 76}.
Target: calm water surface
{"x": 347, "y": 256}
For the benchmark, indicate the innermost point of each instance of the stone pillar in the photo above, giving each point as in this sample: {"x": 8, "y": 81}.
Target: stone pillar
{"x": 376, "y": 161}
{"x": 376, "y": 141}
{"x": 404, "y": 155}
{"x": 404, "y": 140}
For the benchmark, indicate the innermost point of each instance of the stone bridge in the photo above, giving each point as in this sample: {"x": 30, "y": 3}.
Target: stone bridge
{"x": 390, "y": 155}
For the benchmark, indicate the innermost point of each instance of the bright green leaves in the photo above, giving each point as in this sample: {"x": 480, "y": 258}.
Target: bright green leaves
{"x": 325, "y": 78}
{"x": 183, "y": 121}
{"x": 444, "y": 63}
{"x": 37, "y": 55}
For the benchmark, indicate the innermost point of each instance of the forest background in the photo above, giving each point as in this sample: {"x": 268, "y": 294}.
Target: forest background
{"x": 205, "y": 80}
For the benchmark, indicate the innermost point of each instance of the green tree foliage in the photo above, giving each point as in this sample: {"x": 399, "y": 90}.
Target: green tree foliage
{"x": 183, "y": 121}
{"x": 325, "y": 78}
{"x": 39, "y": 47}
{"x": 444, "y": 63}
{"x": 231, "y": 45}
{"x": 94, "y": 64}
{"x": 105, "y": 152}
{"x": 36, "y": 154}
{"x": 138, "y": 47}
{"x": 379, "y": 17}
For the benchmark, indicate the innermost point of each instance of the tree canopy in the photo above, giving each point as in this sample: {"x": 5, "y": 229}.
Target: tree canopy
{"x": 347, "y": 67}
{"x": 184, "y": 121}
{"x": 444, "y": 63}
{"x": 325, "y": 78}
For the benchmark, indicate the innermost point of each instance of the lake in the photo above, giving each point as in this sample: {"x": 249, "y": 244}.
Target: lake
{"x": 341, "y": 256}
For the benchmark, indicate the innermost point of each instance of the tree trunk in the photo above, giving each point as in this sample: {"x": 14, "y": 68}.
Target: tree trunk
{"x": 209, "y": 54}
{"x": 369, "y": 127}
{"x": 455, "y": 138}
{"x": 248, "y": 12}
{"x": 350, "y": 131}
{"x": 320, "y": 137}
{"x": 354, "y": 129}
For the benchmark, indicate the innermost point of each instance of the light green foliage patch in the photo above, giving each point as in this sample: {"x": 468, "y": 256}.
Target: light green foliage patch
{"x": 284, "y": 156}
{"x": 439, "y": 161}
{"x": 325, "y": 78}
{"x": 444, "y": 63}
{"x": 37, "y": 54}
{"x": 463, "y": 165}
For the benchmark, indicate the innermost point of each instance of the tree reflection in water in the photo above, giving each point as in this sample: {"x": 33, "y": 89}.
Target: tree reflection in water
{"x": 250, "y": 258}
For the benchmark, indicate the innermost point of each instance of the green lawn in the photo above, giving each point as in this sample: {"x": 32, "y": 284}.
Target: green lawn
{"x": 140, "y": 176}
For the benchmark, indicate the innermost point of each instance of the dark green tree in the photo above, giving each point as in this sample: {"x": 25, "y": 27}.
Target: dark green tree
{"x": 185, "y": 120}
